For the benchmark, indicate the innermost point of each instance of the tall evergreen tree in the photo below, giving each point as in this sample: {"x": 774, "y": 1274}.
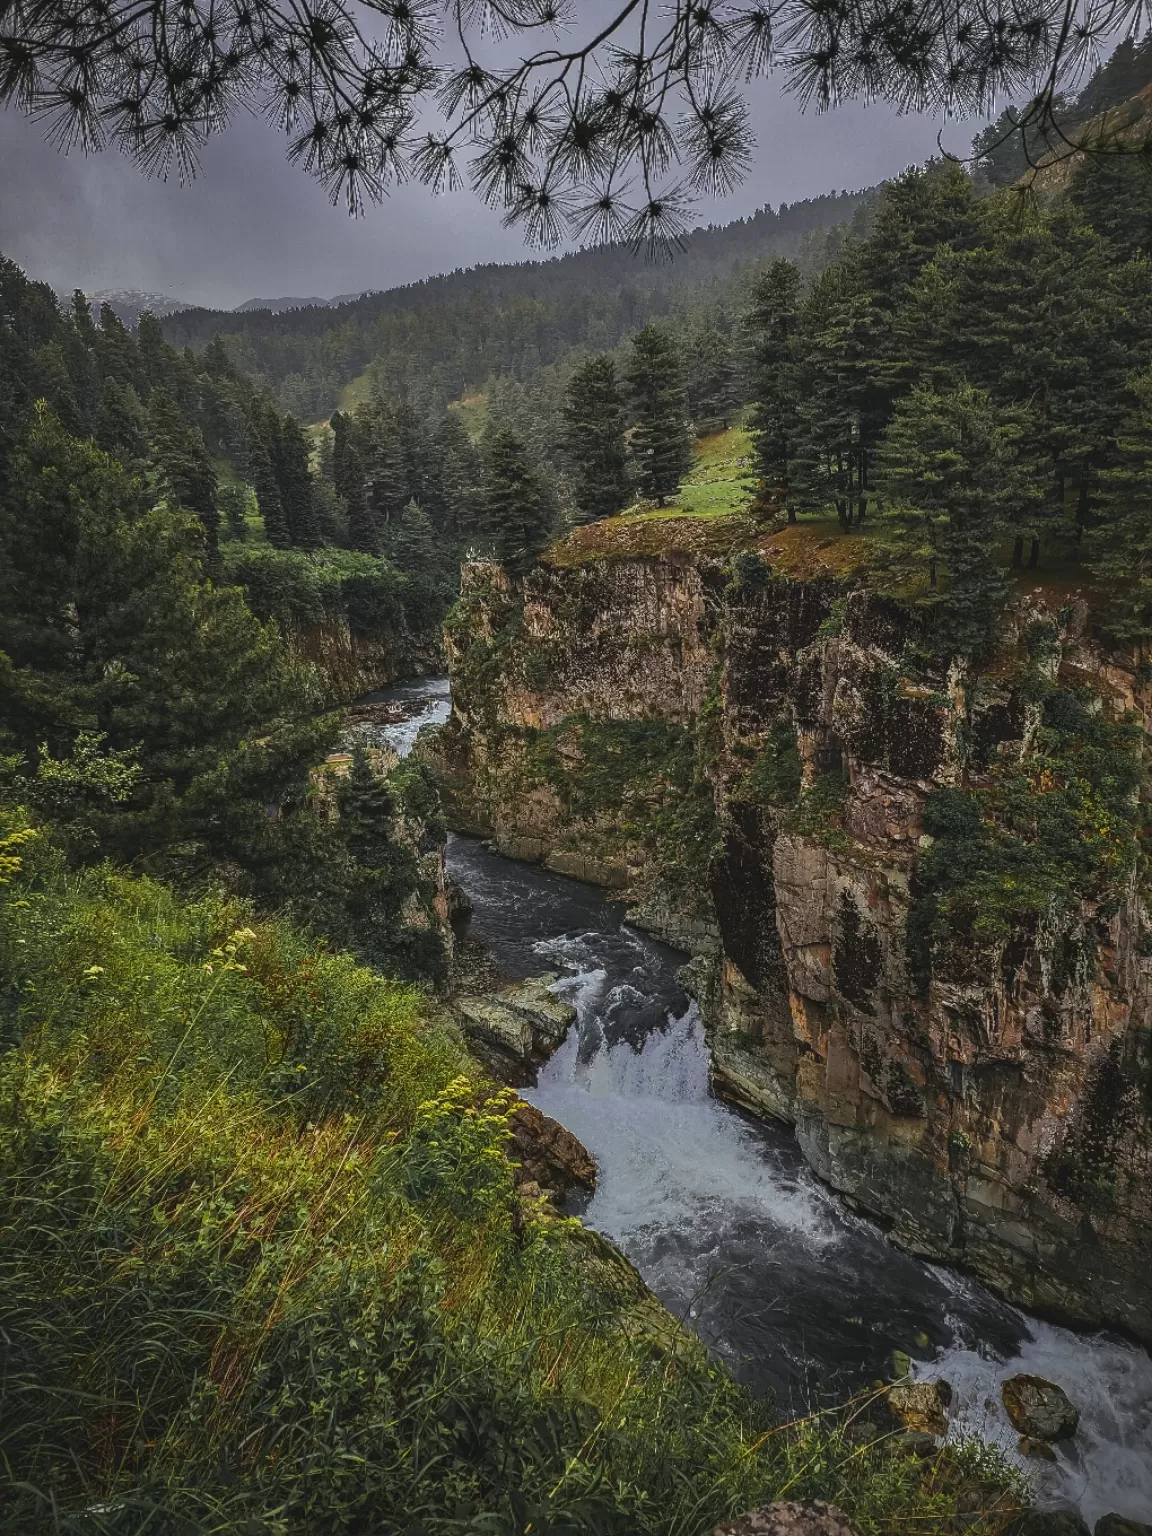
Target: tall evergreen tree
{"x": 955, "y": 486}
{"x": 1118, "y": 547}
{"x": 182, "y": 464}
{"x": 595, "y": 443}
{"x": 711, "y": 378}
{"x": 294, "y": 479}
{"x": 772, "y": 322}
{"x": 517, "y": 513}
{"x": 262, "y": 446}
{"x": 122, "y": 424}
{"x": 661, "y": 444}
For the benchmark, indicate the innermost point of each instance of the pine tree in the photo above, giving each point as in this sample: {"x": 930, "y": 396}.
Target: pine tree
{"x": 116, "y": 351}
{"x": 386, "y": 471}
{"x": 262, "y": 434}
{"x": 661, "y": 445}
{"x": 1118, "y": 548}
{"x": 294, "y": 480}
{"x": 595, "y": 443}
{"x": 517, "y": 513}
{"x": 459, "y": 476}
{"x": 183, "y": 467}
{"x": 122, "y": 424}
{"x": 773, "y": 322}
{"x": 709, "y": 366}
{"x": 955, "y": 485}
{"x": 157, "y": 360}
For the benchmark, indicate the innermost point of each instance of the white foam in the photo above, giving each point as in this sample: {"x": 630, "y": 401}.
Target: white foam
{"x": 1107, "y": 1466}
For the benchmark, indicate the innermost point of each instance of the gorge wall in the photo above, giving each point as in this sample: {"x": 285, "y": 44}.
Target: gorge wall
{"x": 910, "y": 885}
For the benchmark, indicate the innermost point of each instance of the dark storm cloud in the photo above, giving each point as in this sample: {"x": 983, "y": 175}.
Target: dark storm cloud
{"x": 251, "y": 224}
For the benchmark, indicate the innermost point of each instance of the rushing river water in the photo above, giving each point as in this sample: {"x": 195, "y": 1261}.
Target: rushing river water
{"x": 731, "y": 1229}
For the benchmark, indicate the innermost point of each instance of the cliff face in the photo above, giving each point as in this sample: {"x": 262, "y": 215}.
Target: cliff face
{"x": 910, "y": 885}
{"x": 357, "y": 663}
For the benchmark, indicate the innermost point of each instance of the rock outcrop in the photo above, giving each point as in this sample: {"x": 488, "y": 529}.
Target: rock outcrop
{"x": 910, "y": 883}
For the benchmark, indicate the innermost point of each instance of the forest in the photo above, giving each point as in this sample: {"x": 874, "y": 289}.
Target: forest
{"x": 264, "y": 1267}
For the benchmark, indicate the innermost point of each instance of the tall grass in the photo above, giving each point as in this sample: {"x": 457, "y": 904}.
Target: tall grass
{"x": 262, "y": 1268}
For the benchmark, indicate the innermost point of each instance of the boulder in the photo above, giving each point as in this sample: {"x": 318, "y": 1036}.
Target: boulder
{"x": 814, "y": 1519}
{"x": 549, "y": 1017}
{"x": 500, "y": 1026}
{"x": 919, "y": 1405}
{"x": 1120, "y": 1525}
{"x": 1038, "y": 1408}
{"x": 1051, "y": 1522}
{"x": 548, "y": 1156}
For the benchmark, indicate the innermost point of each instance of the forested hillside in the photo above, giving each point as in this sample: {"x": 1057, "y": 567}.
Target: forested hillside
{"x": 435, "y": 340}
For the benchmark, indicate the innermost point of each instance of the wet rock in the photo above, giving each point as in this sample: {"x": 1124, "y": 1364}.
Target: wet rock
{"x": 1039, "y": 1450}
{"x": 515, "y": 1028}
{"x": 549, "y": 1157}
{"x": 501, "y": 1026}
{"x": 1051, "y": 1522}
{"x": 1120, "y": 1525}
{"x": 808, "y": 1519}
{"x": 549, "y": 1018}
{"x": 1038, "y": 1408}
{"x": 917, "y": 1442}
{"x": 919, "y": 1405}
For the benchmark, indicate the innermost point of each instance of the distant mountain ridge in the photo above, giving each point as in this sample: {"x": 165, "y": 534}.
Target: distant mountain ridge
{"x": 130, "y": 303}
{"x": 283, "y": 305}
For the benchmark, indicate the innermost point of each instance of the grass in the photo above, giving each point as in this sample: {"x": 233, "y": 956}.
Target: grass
{"x": 264, "y": 1270}
{"x": 357, "y": 391}
{"x": 473, "y": 412}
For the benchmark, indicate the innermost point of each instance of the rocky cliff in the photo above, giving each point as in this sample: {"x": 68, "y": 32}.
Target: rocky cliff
{"x": 911, "y": 884}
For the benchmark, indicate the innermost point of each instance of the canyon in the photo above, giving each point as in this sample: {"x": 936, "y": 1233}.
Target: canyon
{"x": 781, "y": 774}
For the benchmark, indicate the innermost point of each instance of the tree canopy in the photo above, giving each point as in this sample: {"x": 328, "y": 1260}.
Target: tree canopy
{"x": 591, "y": 126}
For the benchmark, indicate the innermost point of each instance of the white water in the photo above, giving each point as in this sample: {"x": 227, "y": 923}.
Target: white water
{"x": 765, "y": 1261}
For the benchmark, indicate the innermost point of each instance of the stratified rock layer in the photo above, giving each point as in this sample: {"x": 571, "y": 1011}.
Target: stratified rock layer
{"x": 746, "y": 757}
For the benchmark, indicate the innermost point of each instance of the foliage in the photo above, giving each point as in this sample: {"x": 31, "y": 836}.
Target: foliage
{"x": 1029, "y": 846}
{"x": 517, "y": 514}
{"x": 775, "y": 778}
{"x": 263, "y": 1266}
{"x": 594, "y": 416}
{"x": 644, "y": 776}
{"x": 955, "y": 486}
{"x": 556, "y": 136}
{"x": 661, "y": 447}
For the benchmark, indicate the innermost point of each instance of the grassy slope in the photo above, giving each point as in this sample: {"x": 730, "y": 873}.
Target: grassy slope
{"x": 264, "y": 1270}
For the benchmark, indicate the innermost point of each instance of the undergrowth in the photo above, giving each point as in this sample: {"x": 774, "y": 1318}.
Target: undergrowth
{"x": 263, "y": 1270}
{"x": 1018, "y": 855}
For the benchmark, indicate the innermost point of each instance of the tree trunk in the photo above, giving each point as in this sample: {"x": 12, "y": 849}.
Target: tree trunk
{"x": 1034, "y": 555}
{"x": 932, "y": 575}
{"x": 1018, "y": 553}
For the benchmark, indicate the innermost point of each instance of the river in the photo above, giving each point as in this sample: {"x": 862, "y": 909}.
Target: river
{"x": 730, "y": 1228}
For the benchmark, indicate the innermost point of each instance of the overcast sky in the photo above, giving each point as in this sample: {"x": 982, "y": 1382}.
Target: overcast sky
{"x": 251, "y": 224}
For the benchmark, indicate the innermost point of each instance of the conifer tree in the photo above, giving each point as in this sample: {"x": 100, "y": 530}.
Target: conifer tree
{"x": 157, "y": 360}
{"x": 262, "y": 431}
{"x": 597, "y": 451}
{"x": 183, "y": 467}
{"x": 661, "y": 445}
{"x": 122, "y": 424}
{"x": 386, "y": 471}
{"x": 517, "y": 513}
{"x": 710, "y": 373}
{"x": 955, "y": 485}
{"x": 459, "y": 478}
{"x": 116, "y": 351}
{"x": 294, "y": 479}
{"x": 1118, "y": 548}
{"x": 772, "y": 322}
